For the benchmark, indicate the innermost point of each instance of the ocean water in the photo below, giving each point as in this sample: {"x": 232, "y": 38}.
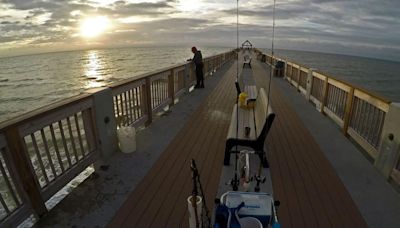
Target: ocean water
{"x": 379, "y": 76}
{"x": 30, "y": 82}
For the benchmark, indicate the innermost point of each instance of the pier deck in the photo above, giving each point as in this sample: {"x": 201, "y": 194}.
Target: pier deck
{"x": 311, "y": 193}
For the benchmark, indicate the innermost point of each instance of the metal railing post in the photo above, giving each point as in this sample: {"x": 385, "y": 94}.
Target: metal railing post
{"x": 105, "y": 121}
{"x": 325, "y": 95}
{"x": 171, "y": 87}
{"x": 298, "y": 78}
{"x": 309, "y": 83}
{"x": 147, "y": 101}
{"x": 291, "y": 74}
{"x": 186, "y": 78}
{"x": 348, "y": 110}
{"x": 389, "y": 149}
{"x": 285, "y": 70}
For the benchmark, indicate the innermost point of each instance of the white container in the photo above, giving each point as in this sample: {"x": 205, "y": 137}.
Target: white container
{"x": 250, "y": 222}
{"x": 192, "y": 217}
{"x": 127, "y": 139}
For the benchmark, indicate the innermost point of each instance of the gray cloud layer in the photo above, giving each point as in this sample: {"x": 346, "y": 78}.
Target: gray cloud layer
{"x": 360, "y": 27}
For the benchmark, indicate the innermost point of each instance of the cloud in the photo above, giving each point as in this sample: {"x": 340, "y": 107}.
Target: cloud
{"x": 362, "y": 26}
{"x": 33, "y": 4}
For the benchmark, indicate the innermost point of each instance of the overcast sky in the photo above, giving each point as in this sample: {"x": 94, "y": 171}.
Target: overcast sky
{"x": 356, "y": 27}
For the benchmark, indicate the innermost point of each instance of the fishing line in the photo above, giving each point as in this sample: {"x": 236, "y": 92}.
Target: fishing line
{"x": 259, "y": 179}
{"x": 235, "y": 181}
{"x": 272, "y": 53}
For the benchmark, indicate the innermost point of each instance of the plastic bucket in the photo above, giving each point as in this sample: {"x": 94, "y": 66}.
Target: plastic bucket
{"x": 192, "y": 217}
{"x": 127, "y": 139}
{"x": 250, "y": 222}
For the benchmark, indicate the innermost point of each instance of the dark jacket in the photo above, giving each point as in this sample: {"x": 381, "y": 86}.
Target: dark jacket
{"x": 198, "y": 58}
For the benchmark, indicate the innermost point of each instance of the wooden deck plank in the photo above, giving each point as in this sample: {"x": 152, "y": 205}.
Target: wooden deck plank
{"x": 309, "y": 186}
{"x": 301, "y": 206}
{"x": 300, "y": 147}
{"x": 340, "y": 198}
{"x": 179, "y": 210}
{"x": 212, "y": 148}
{"x": 315, "y": 165}
{"x": 167, "y": 176}
{"x": 338, "y": 206}
{"x": 141, "y": 189}
{"x": 307, "y": 208}
{"x": 311, "y": 193}
{"x": 279, "y": 190}
{"x": 172, "y": 184}
{"x": 307, "y": 165}
{"x": 211, "y": 151}
{"x": 292, "y": 201}
{"x": 212, "y": 179}
{"x": 203, "y": 156}
{"x": 287, "y": 136}
{"x": 142, "y": 215}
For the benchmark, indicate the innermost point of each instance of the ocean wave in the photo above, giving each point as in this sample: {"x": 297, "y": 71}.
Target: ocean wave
{"x": 28, "y": 79}
{"x": 119, "y": 60}
{"x": 4, "y": 112}
{"x": 4, "y": 80}
{"x": 4, "y": 68}
{"x": 34, "y": 86}
{"x": 89, "y": 78}
{"x": 19, "y": 99}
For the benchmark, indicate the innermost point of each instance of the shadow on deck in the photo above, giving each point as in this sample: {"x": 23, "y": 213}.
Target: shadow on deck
{"x": 311, "y": 193}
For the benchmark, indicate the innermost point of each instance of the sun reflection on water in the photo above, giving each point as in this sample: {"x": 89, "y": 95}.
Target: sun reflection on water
{"x": 92, "y": 67}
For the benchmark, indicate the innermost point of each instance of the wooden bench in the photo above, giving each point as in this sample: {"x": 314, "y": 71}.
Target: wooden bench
{"x": 259, "y": 119}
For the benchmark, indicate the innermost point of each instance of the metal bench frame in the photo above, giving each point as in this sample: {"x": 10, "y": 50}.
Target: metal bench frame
{"x": 256, "y": 144}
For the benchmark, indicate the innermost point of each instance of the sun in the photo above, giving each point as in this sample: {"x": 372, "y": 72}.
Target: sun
{"x": 94, "y": 26}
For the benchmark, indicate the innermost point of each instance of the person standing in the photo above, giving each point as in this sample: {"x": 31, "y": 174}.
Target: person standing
{"x": 198, "y": 62}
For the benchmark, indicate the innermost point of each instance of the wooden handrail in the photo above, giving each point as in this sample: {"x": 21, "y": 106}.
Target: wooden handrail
{"x": 43, "y": 111}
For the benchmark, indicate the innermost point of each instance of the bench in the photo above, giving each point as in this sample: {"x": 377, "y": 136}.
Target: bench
{"x": 251, "y": 91}
{"x": 259, "y": 122}
{"x": 247, "y": 61}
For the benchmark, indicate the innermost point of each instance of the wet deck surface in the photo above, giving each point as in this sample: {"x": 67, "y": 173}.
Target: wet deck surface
{"x": 310, "y": 192}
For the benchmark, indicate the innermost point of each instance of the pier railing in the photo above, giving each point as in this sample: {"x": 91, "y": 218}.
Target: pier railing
{"x": 360, "y": 114}
{"x": 42, "y": 151}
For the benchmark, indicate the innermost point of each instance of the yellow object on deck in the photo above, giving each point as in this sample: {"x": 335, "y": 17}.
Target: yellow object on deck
{"x": 242, "y": 100}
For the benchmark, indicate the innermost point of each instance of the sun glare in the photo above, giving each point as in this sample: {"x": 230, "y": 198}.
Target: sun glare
{"x": 189, "y": 5}
{"x": 94, "y": 26}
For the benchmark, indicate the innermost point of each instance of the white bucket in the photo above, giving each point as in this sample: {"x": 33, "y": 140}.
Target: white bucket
{"x": 192, "y": 217}
{"x": 250, "y": 222}
{"x": 127, "y": 139}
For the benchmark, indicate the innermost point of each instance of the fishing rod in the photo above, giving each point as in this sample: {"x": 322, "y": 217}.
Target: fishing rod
{"x": 196, "y": 185}
{"x": 194, "y": 192}
{"x": 235, "y": 180}
{"x": 260, "y": 179}
{"x": 272, "y": 52}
